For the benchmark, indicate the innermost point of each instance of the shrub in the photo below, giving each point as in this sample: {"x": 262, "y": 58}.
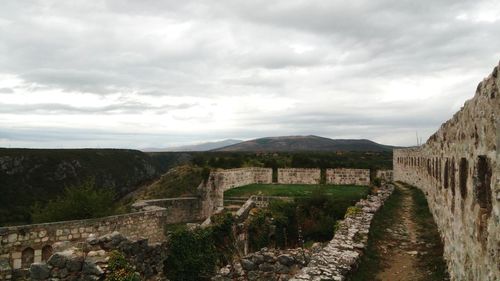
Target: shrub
{"x": 77, "y": 202}
{"x": 120, "y": 269}
{"x": 191, "y": 255}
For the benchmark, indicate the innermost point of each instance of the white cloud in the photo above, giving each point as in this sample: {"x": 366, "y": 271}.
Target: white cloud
{"x": 126, "y": 73}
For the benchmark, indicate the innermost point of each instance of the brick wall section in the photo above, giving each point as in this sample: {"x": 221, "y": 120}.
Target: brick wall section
{"x": 458, "y": 169}
{"x": 18, "y": 239}
{"x": 348, "y": 176}
{"x": 299, "y": 176}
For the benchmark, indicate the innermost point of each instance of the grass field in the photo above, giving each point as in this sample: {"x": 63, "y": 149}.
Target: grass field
{"x": 348, "y": 192}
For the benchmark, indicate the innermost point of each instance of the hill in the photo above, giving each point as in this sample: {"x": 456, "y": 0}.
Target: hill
{"x": 206, "y": 146}
{"x": 28, "y": 176}
{"x": 305, "y": 143}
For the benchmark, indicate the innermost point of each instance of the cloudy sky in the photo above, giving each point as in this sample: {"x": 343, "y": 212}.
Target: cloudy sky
{"x": 151, "y": 73}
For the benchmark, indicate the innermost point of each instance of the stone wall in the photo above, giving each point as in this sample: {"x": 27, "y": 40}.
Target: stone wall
{"x": 458, "y": 170}
{"x": 231, "y": 178}
{"x": 336, "y": 260}
{"x": 23, "y": 245}
{"x": 212, "y": 191}
{"x": 266, "y": 264}
{"x": 348, "y": 176}
{"x": 385, "y": 175}
{"x": 299, "y": 176}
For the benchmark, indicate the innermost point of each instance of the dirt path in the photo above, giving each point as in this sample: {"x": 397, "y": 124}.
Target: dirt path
{"x": 400, "y": 249}
{"x": 404, "y": 243}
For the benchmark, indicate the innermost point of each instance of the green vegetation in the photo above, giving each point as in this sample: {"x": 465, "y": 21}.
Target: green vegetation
{"x": 120, "y": 269}
{"x": 314, "y": 215}
{"x": 29, "y": 176}
{"x": 326, "y": 159}
{"x": 342, "y": 192}
{"x": 385, "y": 218}
{"x": 179, "y": 181}
{"x": 194, "y": 254}
{"x": 77, "y": 202}
{"x": 427, "y": 231}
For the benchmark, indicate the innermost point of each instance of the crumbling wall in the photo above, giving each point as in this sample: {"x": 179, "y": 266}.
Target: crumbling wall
{"x": 337, "y": 259}
{"x": 23, "y": 245}
{"x": 385, "y": 175}
{"x": 348, "y": 176}
{"x": 458, "y": 169}
{"x": 299, "y": 176}
{"x": 212, "y": 191}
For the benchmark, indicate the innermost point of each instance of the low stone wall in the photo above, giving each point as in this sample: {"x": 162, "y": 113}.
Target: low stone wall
{"x": 90, "y": 261}
{"x": 267, "y": 264}
{"x": 458, "y": 169}
{"x": 23, "y": 245}
{"x": 348, "y": 176}
{"x": 342, "y": 253}
{"x": 182, "y": 209}
{"x": 299, "y": 176}
{"x": 385, "y": 175}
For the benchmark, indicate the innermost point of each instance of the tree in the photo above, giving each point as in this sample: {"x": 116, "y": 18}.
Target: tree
{"x": 77, "y": 202}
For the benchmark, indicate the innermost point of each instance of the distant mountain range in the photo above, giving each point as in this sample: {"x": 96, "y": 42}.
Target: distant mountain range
{"x": 206, "y": 146}
{"x": 305, "y": 143}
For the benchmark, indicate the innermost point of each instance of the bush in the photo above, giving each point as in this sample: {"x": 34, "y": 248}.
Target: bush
{"x": 120, "y": 269}
{"x": 77, "y": 202}
{"x": 191, "y": 255}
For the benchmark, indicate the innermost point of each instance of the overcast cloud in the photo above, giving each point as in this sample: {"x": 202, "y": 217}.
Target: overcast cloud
{"x": 127, "y": 73}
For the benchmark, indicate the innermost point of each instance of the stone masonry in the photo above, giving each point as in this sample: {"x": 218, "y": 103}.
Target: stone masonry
{"x": 385, "y": 175}
{"x": 299, "y": 176}
{"x": 212, "y": 191}
{"x": 458, "y": 170}
{"x": 24, "y": 245}
{"x": 348, "y": 176}
{"x": 342, "y": 253}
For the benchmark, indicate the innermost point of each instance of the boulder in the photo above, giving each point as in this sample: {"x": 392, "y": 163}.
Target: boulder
{"x": 39, "y": 271}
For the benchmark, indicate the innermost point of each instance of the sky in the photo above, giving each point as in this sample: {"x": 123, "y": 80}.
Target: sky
{"x": 136, "y": 74}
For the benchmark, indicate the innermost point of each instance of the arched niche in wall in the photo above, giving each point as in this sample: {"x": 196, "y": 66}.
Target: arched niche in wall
{"x": 46, "y": 252}
{"x": 27, "y": 257}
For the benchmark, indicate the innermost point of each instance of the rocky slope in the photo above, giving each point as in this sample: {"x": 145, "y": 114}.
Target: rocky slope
{"x": 38, "y": 175}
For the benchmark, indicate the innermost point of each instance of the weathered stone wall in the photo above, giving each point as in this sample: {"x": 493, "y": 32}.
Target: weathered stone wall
{"x": 458, "y": 169}
{"x": 342, "y": 253}
{"x": 385, "y": 175}
{"x": 23, "y": 245}
{"x": 348, "y": 176}
{"x": 266, "y": 264}
{"x": 299, "y": 176}
{"x": 231, "y": 178}
{"x": 219, "y": 181}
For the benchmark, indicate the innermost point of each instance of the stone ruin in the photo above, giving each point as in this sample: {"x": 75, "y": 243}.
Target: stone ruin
{"x": 458, "y": 170}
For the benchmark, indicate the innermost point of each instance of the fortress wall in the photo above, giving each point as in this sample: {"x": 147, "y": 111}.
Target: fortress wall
{"x": 386, "y": 175}
{"x": 231, "y": 178}
{"x": 348, "y": 176}
{"x": 458, "y": 169}
{"x": 299, "y": 176}
{"x": 219, "y": 181}
{"x": 26, "y": 244}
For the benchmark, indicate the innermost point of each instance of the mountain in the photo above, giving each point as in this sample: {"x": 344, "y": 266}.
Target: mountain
{"x": 206, "y": 146}
{"x": 305, "y": 143}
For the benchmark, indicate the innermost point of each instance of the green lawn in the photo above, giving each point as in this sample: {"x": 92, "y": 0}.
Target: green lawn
{"x": 349, "y": 192}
